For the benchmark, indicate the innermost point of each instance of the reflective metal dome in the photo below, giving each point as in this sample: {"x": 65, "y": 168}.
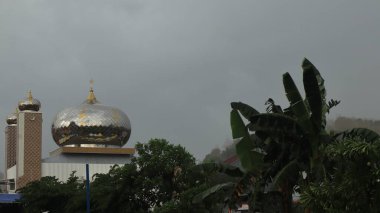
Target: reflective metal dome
{"x": 29, "y": 103}
{"x": 12, "y": 119}
{"x": 91, "y": 124}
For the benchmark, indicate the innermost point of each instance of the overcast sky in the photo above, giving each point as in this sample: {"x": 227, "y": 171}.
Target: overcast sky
{"x": 174, "y": 66}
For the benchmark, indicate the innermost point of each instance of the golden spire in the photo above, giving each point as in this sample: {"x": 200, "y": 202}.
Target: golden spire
{"x": 91, "y": 99}
{"x": 30, "y": 97}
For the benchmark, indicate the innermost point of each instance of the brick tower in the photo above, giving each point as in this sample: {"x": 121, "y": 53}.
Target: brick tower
{"x": 29, "y": 142}
{"x": 10, "y": 142}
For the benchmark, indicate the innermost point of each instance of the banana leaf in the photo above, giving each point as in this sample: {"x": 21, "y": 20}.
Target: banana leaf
{"x": 275, "y": 124}
{"x": 245, "y": 110}
{"x": 237, "y": 125}
{"x": 297, "y": 104}
{"x": 220, "y": 188}
{"x": 250, "y": 159}
{"x": 272, "y": 107}
{"x": 332, "y": 103}
{"x": 288, "y": 172}
{"x": 315, "y": 94}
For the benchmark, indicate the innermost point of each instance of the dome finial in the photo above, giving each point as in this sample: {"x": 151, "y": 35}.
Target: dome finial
{"x": 91, "y": 83}
{"x": 30, "y": 97}
{"x": 29, "y": 103}
{"x": 91, "y": 99}
{"x": 12, "y": 119}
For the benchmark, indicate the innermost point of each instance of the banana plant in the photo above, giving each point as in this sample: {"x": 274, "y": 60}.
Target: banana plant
{"x": 279, "y": 145}
{"x": 284, "y": 149}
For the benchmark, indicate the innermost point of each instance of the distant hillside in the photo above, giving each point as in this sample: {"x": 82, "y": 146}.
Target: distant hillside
{"x": 219, "y": 155}
{"x": 344, "y": 123}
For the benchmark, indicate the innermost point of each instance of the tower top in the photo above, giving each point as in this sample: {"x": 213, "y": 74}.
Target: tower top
{"x": 91, "y": 99}
{"x": 29, "y": 103}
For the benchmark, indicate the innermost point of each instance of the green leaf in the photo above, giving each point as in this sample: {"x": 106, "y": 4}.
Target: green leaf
{"x": 315, "y": 94}
{"x": 332, "y": 103}
{"x": 272, "y": 107}
{"x": 251, "y": 161}
{"x": 289, "y": 171}
{"x": 220, "y": 188}
{"x": 246, "y": 110}
{"x": 275, "y": 124}
{"x": 237, "y": 125}
{"x": 297, "y": 104}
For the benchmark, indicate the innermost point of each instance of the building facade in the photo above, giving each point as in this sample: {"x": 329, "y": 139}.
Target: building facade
{"x": 91, "y": 133}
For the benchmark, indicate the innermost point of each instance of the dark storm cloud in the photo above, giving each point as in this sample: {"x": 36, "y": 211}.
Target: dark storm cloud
{"x": 174, "y": 66}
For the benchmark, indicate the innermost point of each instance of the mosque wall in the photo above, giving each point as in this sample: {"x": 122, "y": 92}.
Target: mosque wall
{"x": 62, "y": 171}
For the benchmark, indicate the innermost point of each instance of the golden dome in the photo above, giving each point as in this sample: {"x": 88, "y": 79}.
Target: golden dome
{"x": 12, "y": 119}
{"x": 91, "y": 123}
{"x": 29, "y": 103}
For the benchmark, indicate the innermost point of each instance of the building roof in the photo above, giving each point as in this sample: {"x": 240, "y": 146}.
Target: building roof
{"x": 9, "y": 198}
{"x": 92, "y": 155}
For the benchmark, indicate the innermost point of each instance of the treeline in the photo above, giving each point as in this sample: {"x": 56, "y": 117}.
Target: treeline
{"x": 162, "y": 178}
{"x": 342, "y": 123}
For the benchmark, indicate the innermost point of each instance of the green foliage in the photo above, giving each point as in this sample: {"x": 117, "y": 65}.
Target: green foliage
{"x": 275, "y": 124}
{"x": 185, "y": 202}
{"x": 209, "y": 194}
{"x": 315, "y": 94}
{"x": 250, "y": 159}
{"x": 362, "y": 133}
{"x": 297, "y": 105}
{"x": 286, "y": 142}
{"x": 165, "y": 169}
{"x": 159, "y": 174}
{"x": 211, "y": 191}
{"x": 49, "y": 194}
{"x": 352, "y": 182}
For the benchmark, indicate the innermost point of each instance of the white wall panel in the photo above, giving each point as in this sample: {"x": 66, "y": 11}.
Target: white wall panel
{"x": 62, "y": 171}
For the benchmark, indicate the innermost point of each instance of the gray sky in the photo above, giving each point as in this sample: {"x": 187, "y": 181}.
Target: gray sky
{"x": 174, "y": 66}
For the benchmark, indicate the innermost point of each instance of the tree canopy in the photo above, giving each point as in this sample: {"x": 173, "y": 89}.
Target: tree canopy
{"x": 159, "y": 173}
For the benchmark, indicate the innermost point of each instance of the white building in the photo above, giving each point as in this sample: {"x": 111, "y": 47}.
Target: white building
{"x": 90, "y": 133}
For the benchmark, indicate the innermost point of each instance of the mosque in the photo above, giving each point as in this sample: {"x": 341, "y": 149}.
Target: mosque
{"x": 90, "y": 133}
